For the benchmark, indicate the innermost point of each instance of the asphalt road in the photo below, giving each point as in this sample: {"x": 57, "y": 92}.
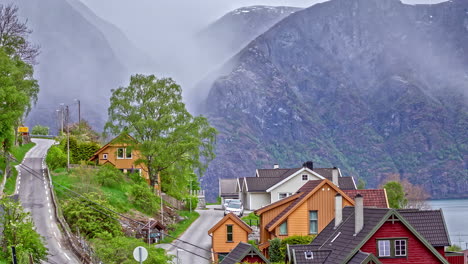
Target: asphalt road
{"x": 196, "y": 234}
{"x": 34, "y": 194}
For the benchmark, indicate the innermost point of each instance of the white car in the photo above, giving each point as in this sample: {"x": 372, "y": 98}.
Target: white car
{"x": 234, "y": 207}
{"x": 227, "y": 201}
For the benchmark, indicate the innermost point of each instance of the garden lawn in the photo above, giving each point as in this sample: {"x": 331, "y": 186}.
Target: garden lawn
{"x": 18, "y": 152}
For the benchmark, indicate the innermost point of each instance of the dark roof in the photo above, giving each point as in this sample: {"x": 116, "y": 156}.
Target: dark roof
{"x": 342, "y": 241}
{"x": 239, "y": 252}
{"x": 345, "y": 183}
{"x": 260, "y": 184}
{"x": 298, "y": 255}
{"x": 372, "y": 197}
{"x": 227, "y": 187}
{"x": 430, "y": 224}
{"x": 359, "y": 258}
{"x": 281, "y": 173}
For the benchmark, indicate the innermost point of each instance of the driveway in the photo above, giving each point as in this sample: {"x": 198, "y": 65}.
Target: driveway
{"x": 196, "y": 234}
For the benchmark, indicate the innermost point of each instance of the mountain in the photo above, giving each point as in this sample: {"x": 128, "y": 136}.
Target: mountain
{"x": 76, "y": 62}
{"x": 375, "y": 87}
{"x": 225, "y": 37}
{"x": 128, "y": 54}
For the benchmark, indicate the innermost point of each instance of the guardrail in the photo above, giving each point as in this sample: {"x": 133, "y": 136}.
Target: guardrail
{"x": 78, "y": 246}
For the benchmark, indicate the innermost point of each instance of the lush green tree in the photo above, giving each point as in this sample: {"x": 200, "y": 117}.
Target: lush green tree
{"x": 109, "y": 176}
{"x": 454, "y": 248}
{"x": 142, "y": 197}
{"x": 40, "y": 130}
{"x": 19, "y": 231}
{"x": 395, "y": 194}
{"x": 361, "y": 184}
{"x": 91, "y": 220}
{"x": 168, "y": 136}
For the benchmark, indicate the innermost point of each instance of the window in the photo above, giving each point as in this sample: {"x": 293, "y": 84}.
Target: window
{"x": 313, "y": 222}
{"x": 400, "y": 248}
{"x": 120, "y": 153}
{"x": 283, "y": 229}
{"x": 283, "y": 195}
{"x": 128, "y": 153}
{"x": 104, "y": 156}
{"x": 309, "y": 255}
{"x": 384, "y": 248}
{"x": 305, "y": 177}
{"x": 229, "y": 237}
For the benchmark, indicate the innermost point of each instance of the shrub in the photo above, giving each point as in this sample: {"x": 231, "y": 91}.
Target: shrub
{"x": 144, "y": 199}
{"x": 91, "y": 220}
{"x": 194, "y": 200}
{"x": 294, "y": 240}
{"x": 109, "y": 176}
{"x": 274, "y": 250}
{"x": 56, "y": 158}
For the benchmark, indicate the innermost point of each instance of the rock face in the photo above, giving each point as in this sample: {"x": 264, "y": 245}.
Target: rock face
{"x": 225, "y": 37}
{"x": 374, "y": 87}
{"x": 76, "y": 62}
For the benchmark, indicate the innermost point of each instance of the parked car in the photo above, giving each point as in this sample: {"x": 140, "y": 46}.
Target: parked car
{"x": 234, "y": 207}
{"x": 227, "y": 201}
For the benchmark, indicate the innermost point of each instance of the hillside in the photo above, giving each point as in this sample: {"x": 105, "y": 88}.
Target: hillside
{"x": 226, "y": 36}
{"x": 76, "y": 62}
{"x": 373, "y": 87}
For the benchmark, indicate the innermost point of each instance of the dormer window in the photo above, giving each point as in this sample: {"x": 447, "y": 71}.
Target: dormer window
{"x": 309, "y": 255}
{"x": 305, "y": 177}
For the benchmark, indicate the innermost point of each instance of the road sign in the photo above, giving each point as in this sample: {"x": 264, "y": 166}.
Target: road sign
{"x": 23, "y": 129}
{"x": 140, "y": 254}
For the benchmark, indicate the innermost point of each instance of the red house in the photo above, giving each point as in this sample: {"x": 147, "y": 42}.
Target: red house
{"x": 244, "y": 253}
{"x": 377, "y": 235}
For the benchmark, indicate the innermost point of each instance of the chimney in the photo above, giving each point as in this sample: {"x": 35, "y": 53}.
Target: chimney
{"x": 275, "y": 166}
{"x": 308, "y": 164}
{"x": 338, "y": 209}
{"x": 335, "y": 176}
{"x": 358, "y": 213}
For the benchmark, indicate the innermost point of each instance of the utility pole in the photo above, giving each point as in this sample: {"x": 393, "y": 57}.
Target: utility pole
{"x": 68, "y": 142}
{"x": 79, "y": 112}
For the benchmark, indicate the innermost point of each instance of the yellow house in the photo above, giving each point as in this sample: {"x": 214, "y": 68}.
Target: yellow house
{"x": 226, "y": 234}
{"x": 119, "y": 154}
{"x": 310, "y": 210}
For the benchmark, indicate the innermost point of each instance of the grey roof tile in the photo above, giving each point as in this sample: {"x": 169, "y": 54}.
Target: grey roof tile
{"x": 430, "y": 224}
{"x": 228, "y": 186}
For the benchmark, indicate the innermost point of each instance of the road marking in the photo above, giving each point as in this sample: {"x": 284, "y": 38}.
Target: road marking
{"x": 47, "y": 197}
{"x": 50, "y": 212}
{"x": 48, "y": 204}
{"x": 46, "y": 192}
{"x": 55, "y": 234}
{"x": 59, "y": 244}
{"x": 50, "y": 217}
{"x": 67, "y": 256}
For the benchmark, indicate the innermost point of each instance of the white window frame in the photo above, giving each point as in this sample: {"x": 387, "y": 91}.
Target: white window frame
{"x": 401, "y": 247}
{"x": 105, "y": 156}
{"x": 123, "y": 153}
{"x": 286, "y": 195}
{"x": 384, "y": 248}
{"x": 315, "y": 221}
{"x": 306, "y": 177}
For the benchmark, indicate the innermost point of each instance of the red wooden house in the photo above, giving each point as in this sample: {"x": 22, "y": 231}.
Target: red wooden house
{"x": 377, "y": 235}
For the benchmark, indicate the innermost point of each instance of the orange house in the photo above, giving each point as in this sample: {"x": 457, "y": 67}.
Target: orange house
{"x": 119, "y": 154}
{"x": 226, "y": 234}
{"x": 308, "y": 211}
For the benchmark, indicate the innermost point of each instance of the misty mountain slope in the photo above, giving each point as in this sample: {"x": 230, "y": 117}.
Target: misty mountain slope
{"x": 226, "y": 36}
{"x": 76, "y": 62}
{"x": 371, "y": 86}
{"x": 129, "y": 55}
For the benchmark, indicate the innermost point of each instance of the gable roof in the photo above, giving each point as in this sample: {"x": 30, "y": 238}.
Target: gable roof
{"x": 95, "y": 155}
{"x": 257, "y": 184}
{"x": 275, "y": 173}
{"x": 234, "y": 218}
{"x": 285, "y": 179}
{"x": 430, "y": 224}
{"x": 345, "y": 245}
{"x": 227, "y": 187}
{"x": 372, "y": 197}
{"x": 277, "y": 203}
{"x": 308, "y": 189}
{"x": 240, "y": 252}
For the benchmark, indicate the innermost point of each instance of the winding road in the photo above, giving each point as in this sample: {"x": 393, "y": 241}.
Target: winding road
{"x": 196, "y": 234}
{"x": 34, "y": 194}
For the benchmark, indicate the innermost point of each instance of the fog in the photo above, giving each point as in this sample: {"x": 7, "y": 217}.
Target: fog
{"x": 165, "y": 30}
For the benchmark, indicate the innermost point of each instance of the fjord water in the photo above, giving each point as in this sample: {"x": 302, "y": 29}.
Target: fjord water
{"x": 456, "y": 215}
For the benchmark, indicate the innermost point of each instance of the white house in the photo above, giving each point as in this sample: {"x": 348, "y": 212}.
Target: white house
{"x": 271, "y": 185}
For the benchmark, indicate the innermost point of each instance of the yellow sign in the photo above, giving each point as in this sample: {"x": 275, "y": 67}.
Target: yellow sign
{"x": 23, "y": 129}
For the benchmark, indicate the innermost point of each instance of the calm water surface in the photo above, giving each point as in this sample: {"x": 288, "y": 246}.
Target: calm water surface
{"x": 456, "y": 218}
